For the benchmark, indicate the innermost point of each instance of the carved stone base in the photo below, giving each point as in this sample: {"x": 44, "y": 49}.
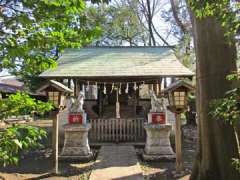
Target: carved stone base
{"x": 158, "y": 143}
{"x": 76, "y": 146}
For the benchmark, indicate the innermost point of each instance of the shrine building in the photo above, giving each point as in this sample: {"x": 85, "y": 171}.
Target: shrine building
{"x": 116, "y": 83}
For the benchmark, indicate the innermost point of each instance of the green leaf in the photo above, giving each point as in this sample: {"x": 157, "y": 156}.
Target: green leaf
{"x": 17, "y": 142}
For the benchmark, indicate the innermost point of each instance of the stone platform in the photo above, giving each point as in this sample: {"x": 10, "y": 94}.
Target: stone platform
{"x": 76, "y": 146}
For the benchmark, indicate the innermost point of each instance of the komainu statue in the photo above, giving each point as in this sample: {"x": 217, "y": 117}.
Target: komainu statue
{"x": 157, "y": 104}
{"x": 80, "y": 101}
{"x": 76, "y": 105}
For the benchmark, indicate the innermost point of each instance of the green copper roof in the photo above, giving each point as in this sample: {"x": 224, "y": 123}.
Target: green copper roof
{"x": 111, "y": 62}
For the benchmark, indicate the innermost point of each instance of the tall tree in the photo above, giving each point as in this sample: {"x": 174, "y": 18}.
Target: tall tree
{"x": 148, "y": 10}
{"x": 119, "y": 24}
{"x": 216, "y": 58}
{"x": 127, "y": 22}
{"x": 34, "y": 33}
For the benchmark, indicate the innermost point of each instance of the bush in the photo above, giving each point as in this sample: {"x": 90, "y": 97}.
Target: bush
{"x": 22, "y": 104}
{"x": 16, "y": 139}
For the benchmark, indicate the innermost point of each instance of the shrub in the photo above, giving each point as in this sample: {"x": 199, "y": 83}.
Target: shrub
{"x": 18, "y": 138}
{"x": 22, "y": 104}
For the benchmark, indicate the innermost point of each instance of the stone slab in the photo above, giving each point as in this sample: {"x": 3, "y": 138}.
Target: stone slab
{"x": 117, "y": 162}
{"x": 152, "y": 157}
{"x": 76, "y": 158}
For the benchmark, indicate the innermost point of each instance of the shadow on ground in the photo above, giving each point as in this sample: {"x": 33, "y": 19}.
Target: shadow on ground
{"x": 38, "y": 165}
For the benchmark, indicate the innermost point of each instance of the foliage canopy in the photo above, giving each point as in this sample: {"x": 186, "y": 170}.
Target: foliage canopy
{"x": 227, "y": 11}
{"x": 33, "y": 33}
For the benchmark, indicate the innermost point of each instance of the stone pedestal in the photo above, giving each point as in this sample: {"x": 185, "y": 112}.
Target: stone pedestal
{"x": 158, "y": 145}
{"x": 76, "y": 146}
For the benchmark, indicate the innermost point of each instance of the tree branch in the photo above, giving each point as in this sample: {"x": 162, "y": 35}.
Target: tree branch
{"x": 157, "y": 33}
{"x": 176, "y": 17}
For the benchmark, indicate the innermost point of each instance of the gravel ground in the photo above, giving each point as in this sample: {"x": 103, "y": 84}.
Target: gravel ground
{"x": 37, "y": 164}
{"x": 166, "y": 170}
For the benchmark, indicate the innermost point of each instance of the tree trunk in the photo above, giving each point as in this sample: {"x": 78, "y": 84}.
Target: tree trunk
{"x": 216, "y": 58}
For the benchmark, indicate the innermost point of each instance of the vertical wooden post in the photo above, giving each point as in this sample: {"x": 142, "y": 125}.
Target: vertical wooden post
{"x": 135, "y": 104}
{"x": 178, "y": 142}
{"x": 55, "y": 144}
{"x": 69, "y": 83}
{"x": 100, "y": 101}
{"x": 75, "y": 87}
{"x": 173, "y": 79}
{"x": 138, "y": 95}
{"x": 159, "y": 86}
{"x": 165, "y": 82}
{"x": 117, "y": 105}
{"x": 155, "y": 87}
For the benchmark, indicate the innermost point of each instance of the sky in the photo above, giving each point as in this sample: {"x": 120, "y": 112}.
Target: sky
{"x": 162, "y": 26}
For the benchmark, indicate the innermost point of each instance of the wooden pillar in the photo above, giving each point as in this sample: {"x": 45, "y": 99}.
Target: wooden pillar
{"x": 75, "y": 87}
{"x": 178, "y": 142}
{"x": 135, "y": 104}
{"x": 150, "y": 87}
{"x": 55, "y": 144}
{"x": 159, "y": 86}
{"x": 69, "y": 83}
{"x": 138, "y": 95}
{"x": 173, "y": 79}
{"x": 117, "y": 105}
{"x": 165, "y": 82}
{"x": 155, "y": 89}
{"x": 100, "y": 102}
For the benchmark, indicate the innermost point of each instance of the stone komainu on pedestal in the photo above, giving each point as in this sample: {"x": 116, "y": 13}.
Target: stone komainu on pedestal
{"x": 76, "y": 145}
{"x": 158, "y": 144}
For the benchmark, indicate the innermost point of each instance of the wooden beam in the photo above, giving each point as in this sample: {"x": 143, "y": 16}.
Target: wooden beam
{"x": 78, "y": 87}
{"x": 69, "y": 82}
{"x": 118, "y": 115}
{"x": 155, "y": 87}
{"x": 165, "y": 82}
{"x": 159, "y": 86}
{"x": 135, "y": 103}
{"x": 75, "y": 87}
{"x": 100, "y": 102}
{"x": 138, "y": 95}
{"x": 119, "y": 78}
{"x": 178, "y": 142}
{"x": 55, "y": 144}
